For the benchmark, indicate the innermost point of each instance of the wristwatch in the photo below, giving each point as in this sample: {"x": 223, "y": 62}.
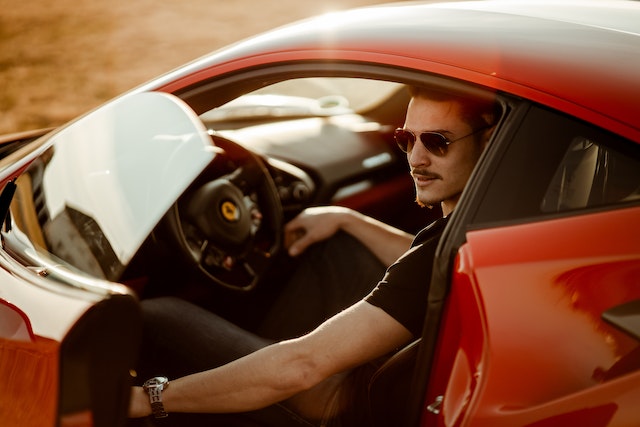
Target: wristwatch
{"x": 154, "y": 387}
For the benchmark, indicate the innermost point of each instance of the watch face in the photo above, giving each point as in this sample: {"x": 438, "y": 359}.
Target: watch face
{"x": 156, "y": 382}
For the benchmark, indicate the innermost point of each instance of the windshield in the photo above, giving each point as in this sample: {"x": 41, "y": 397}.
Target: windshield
{"x": 303, "y": 97}
{"x": 103, "y": 183}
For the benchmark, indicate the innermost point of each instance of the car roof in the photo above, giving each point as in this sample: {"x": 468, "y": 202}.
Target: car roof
{"x": 581, "y": 57}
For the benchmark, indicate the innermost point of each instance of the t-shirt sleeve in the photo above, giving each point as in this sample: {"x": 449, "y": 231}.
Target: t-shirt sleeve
{"x": 402, "y": 293}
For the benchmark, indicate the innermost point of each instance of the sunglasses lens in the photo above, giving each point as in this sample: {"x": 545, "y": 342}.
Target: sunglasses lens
{"x": 434, "y": 142}
{"x": 404, "y": 139}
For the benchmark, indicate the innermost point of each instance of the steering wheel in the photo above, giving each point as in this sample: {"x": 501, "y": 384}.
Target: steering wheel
{"x": 230, "y": 226}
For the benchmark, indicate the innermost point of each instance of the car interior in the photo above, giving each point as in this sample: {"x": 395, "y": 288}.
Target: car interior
{"x": 292, "y": 138}
{"x": 317, "y": 149}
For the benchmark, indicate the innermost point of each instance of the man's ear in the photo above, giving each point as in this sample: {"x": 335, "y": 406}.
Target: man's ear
{"x": 486, "y": 136}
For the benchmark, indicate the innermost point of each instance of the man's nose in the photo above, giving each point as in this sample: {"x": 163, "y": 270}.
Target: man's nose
{"x": 419, "y": 155}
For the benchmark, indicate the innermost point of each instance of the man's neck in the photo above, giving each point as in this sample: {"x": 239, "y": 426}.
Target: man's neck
{"x": 448, "y": 205}
{"x": 446, "y": 210}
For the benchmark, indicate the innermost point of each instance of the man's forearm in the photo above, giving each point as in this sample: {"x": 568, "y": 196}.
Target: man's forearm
{"x": 246, "y": 384}
{"x": 277, "y": 372}
{"x": 387, "y": 243}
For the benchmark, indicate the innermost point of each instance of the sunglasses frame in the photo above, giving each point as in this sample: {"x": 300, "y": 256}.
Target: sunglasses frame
{"x": 440, "y": 150}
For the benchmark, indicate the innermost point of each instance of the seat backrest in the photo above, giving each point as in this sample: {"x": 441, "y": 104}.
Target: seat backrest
{"x": 390, "y": 385}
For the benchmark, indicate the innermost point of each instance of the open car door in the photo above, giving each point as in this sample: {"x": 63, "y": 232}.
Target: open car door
{"x": 541, "y": 320}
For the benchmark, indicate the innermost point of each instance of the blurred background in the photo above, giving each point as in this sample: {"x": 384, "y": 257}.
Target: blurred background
{"x": 61, "y": 58}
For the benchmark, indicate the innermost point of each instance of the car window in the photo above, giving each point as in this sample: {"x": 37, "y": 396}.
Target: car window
{"x": 557, "y": 165}
{"x": 592, "y": 174}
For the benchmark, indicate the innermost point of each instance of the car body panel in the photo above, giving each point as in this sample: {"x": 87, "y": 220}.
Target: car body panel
{"x": 34, "y": 300}
{"x": 15, "y": 323}
{"x": 29, "y": 368}
{"x": 71, "y": 368}
{"x": 515, "y": 47}
{"x": 546, "y": 283}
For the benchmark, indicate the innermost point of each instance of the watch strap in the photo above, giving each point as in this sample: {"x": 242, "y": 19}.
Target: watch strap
{"x": 157, "y": 408}
{"x": 154, "y": 388}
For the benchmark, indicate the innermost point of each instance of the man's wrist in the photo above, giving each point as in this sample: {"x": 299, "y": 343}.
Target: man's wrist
{"x": 154, "y": 388}
{"x": 139, "y": 405}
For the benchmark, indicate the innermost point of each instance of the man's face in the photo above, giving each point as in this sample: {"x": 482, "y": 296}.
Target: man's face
{"x": 441, "y": 179}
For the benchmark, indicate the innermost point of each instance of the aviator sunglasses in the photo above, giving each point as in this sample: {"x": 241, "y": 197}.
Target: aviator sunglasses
{"x": 435, "y": 142}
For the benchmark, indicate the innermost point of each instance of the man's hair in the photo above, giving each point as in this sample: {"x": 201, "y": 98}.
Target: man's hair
{"x": 477, "y": 111}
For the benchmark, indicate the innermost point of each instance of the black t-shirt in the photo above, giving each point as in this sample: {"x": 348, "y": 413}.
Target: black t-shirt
{"x": 402, "y": 292}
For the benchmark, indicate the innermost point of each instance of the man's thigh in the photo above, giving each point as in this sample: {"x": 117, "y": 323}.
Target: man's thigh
{"x": 330, "y": 276}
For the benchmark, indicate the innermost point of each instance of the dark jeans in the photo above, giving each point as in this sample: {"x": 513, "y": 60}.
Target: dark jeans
{"x": 180, "y": 338}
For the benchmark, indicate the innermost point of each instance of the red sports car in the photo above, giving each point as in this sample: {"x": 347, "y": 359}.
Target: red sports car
{"x": 534, "y": 309}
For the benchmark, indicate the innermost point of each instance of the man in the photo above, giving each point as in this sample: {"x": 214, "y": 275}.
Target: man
{"x": 443, "y": 136}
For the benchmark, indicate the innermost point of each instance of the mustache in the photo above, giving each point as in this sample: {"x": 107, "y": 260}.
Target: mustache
{"x": 424, "y": 173}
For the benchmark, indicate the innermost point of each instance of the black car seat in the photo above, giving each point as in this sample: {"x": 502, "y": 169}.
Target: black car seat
{"x": 390, "y": 385}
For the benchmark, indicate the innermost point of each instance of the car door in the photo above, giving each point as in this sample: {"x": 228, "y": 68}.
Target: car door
{"x": 540, "y": 327}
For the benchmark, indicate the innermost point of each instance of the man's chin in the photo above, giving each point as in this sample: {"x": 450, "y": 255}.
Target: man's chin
{"x": 425, "y": 204}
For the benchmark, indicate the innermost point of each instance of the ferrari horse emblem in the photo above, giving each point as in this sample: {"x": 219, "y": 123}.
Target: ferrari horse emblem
{"x": 230, "y": 211}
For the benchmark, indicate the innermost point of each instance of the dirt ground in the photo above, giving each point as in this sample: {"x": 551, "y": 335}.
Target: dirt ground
{"x": 61, "y": 58}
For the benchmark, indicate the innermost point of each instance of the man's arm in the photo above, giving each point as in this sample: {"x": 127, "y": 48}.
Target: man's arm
{"x": 387, "y": 243}
{"x": 275, "y": 373}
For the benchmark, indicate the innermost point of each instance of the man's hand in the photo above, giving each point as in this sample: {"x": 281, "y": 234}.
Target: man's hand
{"x": 313, "y": 225}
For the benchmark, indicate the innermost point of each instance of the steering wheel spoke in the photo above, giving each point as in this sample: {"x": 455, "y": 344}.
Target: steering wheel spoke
{"x": 231, "y": 272}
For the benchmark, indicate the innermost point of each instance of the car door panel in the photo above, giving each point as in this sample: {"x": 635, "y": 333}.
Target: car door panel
{"x": 546, "y": 282}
